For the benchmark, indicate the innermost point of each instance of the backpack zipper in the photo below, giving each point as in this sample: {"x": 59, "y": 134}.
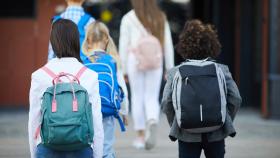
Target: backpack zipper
{"x": 176, "y": 94}
{"x": 201, "y": 117}
{"x": 186, "y": 80}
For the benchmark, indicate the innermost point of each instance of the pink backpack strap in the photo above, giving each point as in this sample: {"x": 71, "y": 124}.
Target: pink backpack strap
{"x": 81, "y": 71}
{"x": 49, "y": 72}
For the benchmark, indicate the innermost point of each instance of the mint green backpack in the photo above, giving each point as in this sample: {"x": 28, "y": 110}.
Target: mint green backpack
{"x": 66, "y": 114}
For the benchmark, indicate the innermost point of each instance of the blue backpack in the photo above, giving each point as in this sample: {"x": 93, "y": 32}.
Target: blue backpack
{"x": 81, "y": 27}
{"x": 110, "y": 92}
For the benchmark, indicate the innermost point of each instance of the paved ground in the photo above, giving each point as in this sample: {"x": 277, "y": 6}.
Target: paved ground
{"x": 256, "y": 138}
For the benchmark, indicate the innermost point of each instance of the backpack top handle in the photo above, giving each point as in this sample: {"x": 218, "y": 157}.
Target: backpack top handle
{"x": 56, "y": 79}
{"x": 75, "y": 103}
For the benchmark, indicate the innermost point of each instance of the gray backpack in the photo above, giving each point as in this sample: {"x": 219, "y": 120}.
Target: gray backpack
{"x": 199, "y": 96}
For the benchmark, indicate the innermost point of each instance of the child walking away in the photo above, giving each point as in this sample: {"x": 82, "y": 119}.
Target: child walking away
{"x": 102, "y": 57}
{"x": 146, "y": 51}
{"x": 200, "y": 97}
{"x": 65, "y": 118}
{"x": 75, "y": 13}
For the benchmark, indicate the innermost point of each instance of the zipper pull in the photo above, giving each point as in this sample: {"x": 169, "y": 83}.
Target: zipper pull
{"x": 186, "y": 80}
{"x": 201, "y": 117}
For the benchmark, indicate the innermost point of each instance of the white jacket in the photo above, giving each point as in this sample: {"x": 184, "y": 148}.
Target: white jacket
{"x": 41, "y": 81}
{"x": 131, "y": 31}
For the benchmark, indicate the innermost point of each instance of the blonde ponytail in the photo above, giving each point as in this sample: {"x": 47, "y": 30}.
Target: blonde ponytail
{"x": 112, "y": 50}
{"x": 98, "y": 32}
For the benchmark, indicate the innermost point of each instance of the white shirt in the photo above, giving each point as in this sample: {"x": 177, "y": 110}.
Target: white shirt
{"x": 73, "y": 13}
{"x": 130, "y": 34}
{"x": 41, "y": 81}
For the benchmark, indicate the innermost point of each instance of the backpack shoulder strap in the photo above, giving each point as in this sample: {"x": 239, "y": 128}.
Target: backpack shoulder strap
{"x": 80, "y": 72}
{"x": 84, "y": 20}
{"x": 222, "y": 76}
{"x": 53, "y": 75}
{"x": 122, "y": 126}
{"x": 137, "y": 23}
{"x": 55, "y": 18}
{"x": 49, "y": 72}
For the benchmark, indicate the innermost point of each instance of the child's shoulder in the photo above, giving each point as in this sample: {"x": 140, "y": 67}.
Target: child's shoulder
{"x": 37, "y": 73}
{"x": 171, "y": 72}
{"x": 224, "y": 67}
{"x": 226, "y": 71}
{"x": 102, "y": 56}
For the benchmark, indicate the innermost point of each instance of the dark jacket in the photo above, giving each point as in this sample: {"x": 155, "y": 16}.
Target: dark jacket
{"x": 233, "y": 104}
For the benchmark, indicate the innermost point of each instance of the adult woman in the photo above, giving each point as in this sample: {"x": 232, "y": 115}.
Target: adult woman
{"x": 65, "y": 41}
{"x": 146, "y": 17}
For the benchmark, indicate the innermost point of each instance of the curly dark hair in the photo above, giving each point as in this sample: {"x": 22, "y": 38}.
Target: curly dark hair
{"x": 198, "y": 41}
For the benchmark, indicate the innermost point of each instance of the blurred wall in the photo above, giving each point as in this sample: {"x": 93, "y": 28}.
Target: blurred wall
{"x": 274, "y": 60}
{"x": 24, "y": 46}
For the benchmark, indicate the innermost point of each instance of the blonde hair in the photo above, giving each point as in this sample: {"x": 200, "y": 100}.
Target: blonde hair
{"x": 99, "y": 32}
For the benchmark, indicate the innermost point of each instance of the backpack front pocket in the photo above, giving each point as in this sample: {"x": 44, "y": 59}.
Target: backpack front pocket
{"x": 65, "y": 134}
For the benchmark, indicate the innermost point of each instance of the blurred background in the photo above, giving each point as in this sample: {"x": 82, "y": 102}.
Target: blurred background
{"x": 249, "y": 31}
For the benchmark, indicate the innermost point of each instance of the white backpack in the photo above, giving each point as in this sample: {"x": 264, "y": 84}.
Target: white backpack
{"x": 199, "y": 96}
{"x": 148, "y": 50}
